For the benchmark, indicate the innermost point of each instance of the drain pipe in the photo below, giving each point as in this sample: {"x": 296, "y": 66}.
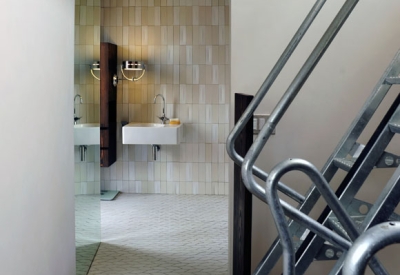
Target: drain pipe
{"x": 155, "y": 149}
{"x": 82, "y": 151}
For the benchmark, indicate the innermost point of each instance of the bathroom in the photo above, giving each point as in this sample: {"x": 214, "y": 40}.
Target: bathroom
{"x": 38, "y": 209}
{"x": 185, "y": 48}
{"x": 187, "y": 61}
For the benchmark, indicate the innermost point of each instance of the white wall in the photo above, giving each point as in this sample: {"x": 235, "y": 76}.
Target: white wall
{"x": 330, "y": 98}
{"x": 36, "y": 141}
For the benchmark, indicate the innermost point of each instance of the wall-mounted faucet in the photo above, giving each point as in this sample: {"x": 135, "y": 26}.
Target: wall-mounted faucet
{"x": 80, "y": 102}
{"x": 163, "y": 118}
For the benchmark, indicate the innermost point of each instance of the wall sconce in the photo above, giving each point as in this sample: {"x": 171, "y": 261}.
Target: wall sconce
{"x": 133, "y": 66}
{"x": 95, "y": 67}
{"x": 126, "y": 65}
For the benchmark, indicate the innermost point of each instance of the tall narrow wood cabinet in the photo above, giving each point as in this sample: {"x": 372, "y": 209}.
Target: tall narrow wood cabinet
{"x": 108, "y": 104}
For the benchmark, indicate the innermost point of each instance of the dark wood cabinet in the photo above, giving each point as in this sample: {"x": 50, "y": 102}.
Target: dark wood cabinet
{"x": 108, "y": 104}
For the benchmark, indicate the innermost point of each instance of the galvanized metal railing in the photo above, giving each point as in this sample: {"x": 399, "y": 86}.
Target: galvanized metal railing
{"x": 347, "y": 232}
{"x": 248, "y": 167}
{"x": 248, "y": 162}
{"x": 289, "y": 96}
{"x": 256, "y": 189}
{"x": 276, "y": 207}
{"x": 369, "y": 243}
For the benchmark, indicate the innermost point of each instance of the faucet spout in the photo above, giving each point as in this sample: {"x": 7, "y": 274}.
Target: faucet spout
{"x": 163, "y": 118}
{"x": 80, "y": 98}
{"x": 80, "y": 102}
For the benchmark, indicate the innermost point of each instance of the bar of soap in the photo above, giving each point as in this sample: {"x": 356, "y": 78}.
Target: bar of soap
{"x": 174, "y": 121}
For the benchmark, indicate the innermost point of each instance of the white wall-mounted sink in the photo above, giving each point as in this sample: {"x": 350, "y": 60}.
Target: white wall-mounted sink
{"x": 87, "y": 134}
{"x": 152, "y": 133}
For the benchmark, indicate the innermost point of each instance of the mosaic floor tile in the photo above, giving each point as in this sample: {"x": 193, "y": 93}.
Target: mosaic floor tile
{"x": 163, "y": 234}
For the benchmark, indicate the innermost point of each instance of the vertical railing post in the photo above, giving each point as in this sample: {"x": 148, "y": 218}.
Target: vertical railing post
{"x": 242, "y": 199}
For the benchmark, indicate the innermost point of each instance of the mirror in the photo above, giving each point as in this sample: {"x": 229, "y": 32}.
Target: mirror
{"x": 86, "y": 110}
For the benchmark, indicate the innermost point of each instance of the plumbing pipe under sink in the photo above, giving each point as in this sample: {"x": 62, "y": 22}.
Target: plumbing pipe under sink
{"x": 155, "y": 148}
{"x": 82, "y": 151}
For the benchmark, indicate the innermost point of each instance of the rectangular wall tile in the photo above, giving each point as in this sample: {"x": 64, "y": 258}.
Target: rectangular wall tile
{"x": 185, "y": 47}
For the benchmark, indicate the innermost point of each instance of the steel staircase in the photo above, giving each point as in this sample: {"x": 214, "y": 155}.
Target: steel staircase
{"x": 303, "y": 240}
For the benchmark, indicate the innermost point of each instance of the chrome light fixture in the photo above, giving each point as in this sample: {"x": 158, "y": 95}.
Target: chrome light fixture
{"x": 126, "y": 65}
{"x": 95, "y": 67}
{"x": 133, "y": 66}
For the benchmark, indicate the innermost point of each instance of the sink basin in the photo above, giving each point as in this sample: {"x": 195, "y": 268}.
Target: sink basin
{"x": 87, "y": 134}
{"x": 151, "y": 133}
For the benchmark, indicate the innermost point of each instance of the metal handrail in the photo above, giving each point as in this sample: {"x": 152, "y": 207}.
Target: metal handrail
{"x": 277, "y": 210}
{"x": 248, "y": 169}
{"x": 238, "y": 128}
{"x": 290, "y": 94}
{"x": 288, "y": 97}
{"x": 369, "y": 243}
{"x": 314, "y": 226}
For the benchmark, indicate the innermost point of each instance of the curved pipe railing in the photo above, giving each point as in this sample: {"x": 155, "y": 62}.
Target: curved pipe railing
{"x": 314, "y": 226}
{"x": 238, "y": 128}
{"x": 369, "y": 243}
{"x": 277, "y": 209}
{"x": 248, "y": 163}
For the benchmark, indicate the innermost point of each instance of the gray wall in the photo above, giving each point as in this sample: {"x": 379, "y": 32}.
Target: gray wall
{"x": 330, "y": 98}
{"x": 36, "y": 143}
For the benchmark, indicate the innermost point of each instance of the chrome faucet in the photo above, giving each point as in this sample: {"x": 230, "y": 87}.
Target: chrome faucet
{"x": 163, "y": 118}
{"x": 80, "y": 102}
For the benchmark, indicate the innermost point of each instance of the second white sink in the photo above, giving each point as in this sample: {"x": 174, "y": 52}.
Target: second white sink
{"x": 87, "y": 134}
{"x": 152, "y": 133}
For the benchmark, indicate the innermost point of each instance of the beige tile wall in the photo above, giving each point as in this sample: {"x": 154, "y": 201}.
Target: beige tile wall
{"x": 185, "y": 46}
{"x": 87, "y": 173}
{"x": 87, "y": 49}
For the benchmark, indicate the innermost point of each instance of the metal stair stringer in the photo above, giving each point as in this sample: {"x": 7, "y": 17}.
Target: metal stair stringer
{"x": 343, "y": 148}
{"x": 384, "y": 206}
{"x": 351, "y": 184}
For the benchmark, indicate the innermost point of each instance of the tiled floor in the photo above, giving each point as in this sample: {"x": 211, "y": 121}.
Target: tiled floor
{"x": 87, "y": 236}
{"x": 163, "y": 234}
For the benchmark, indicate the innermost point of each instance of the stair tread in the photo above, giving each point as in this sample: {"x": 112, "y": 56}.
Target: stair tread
{"x": 344, "y": 163}
{"x": 395, "y": 126}
{"x": 359, "y": 219}
{"x": 393, "y": 80}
